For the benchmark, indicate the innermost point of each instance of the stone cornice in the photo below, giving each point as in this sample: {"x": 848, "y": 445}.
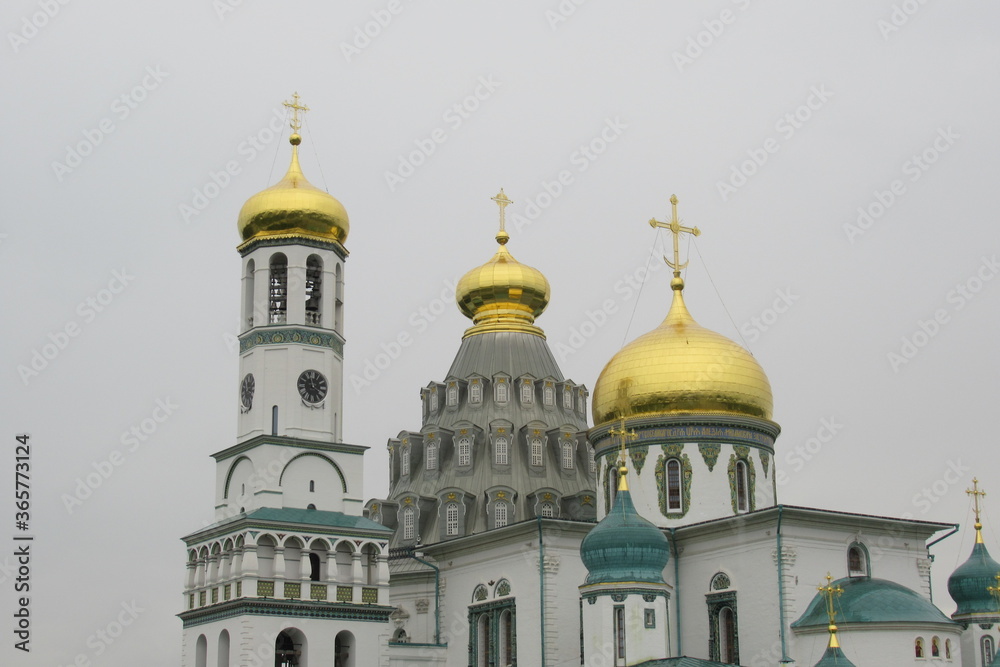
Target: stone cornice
{"x": 285, "y": 441}
{"x": 286, "y": 609}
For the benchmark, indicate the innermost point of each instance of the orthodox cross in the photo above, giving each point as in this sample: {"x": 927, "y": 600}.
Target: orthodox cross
{"x": 976, "y": 495}
{"x": 676, "y": 230}
{"x": 829, "y": 592}
{"x": 294, "y": 105}
{"x": 624, "y": 435}
{"x": 502, "y": 201}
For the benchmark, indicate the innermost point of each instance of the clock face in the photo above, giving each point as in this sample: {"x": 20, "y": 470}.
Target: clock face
{"x": 312, "y": 386}
{"x": 246, "y": 391}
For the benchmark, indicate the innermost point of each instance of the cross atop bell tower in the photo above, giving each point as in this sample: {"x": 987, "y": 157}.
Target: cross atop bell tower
{"x": 976, "y": 495}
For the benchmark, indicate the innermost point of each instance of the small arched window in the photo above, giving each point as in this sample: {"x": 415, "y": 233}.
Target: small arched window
{"x": 613, "y": 482}
{"x": 432, "y": 456}
{"x": 502, "y": 392}
{"x": 536, "y": 452}
{"x": 278, "y": 295}
{"x": 526, "y": 392}
{"x": 501, "y": 447}
{"x": 476, "y": 392}
{"x": 918, "y": 648}
{"x": 674, "y": 503}
{"x": 452, "y": 394}
{"x": 547, "y": 510}
{"x": 433, "y": 399}
{"x": 567, "y": 455}
{"x": 857, "y": 561}
{"x": 549, "y": 395}
{"x": 313, "y": 567}
{"x": 935, "y": 647}
{"x": 409, "y": 523}
{"x": 312, "y": 486}
{"x": 451, "y": 519}
{"x": 274, "y": 420}
{"x": 987, "y": 650}
{"x": 742, "y": 487}
{"x": 314, "y": 290}
{"x": 947, "y": 649}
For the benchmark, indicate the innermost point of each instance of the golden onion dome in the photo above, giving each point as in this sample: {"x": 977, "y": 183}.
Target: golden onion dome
{"x": 294, "y": 207}
{"x": 502, "y": 294}
{"x": 681, "y": 367}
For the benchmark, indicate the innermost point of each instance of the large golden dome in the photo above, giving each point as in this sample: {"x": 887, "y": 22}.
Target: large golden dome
{"x": 502, "y": 294}
{"x": 681, "y": 367}
{"x": 294, "y": 207}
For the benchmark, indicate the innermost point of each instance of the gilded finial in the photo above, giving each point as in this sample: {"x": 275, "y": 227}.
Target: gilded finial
{"x": 296, "y": 122}
{"x": 829, "y": 592}
{"x": 676, "y": 229}
{"x": 624, "y": 436}
{"x": 502, "y": 201}
{"x": 976, "y": 495}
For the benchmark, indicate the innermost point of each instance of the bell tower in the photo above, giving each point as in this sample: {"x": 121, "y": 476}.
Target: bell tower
{"x": 290, "y": 573}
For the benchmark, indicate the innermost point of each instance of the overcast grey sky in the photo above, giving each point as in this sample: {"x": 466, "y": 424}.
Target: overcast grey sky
{"x": 839, "y": 158}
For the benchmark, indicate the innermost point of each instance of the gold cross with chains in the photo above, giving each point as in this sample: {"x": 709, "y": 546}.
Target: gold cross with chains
{"x": 294, "y": 105}
{"x": 976, "y": 495}
{"x": 676, "y": 229}
{"x": 502, "y": 201}
{"x": 829, "y": 592}
{"x": 625, "y": 436}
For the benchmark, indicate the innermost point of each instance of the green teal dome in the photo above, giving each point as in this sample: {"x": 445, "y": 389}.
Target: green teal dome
{"x": 623, "y": 546}
{"x": 867, "y": 600}
{"x": 834, "y": 657}
{"x": 967, "y": 585}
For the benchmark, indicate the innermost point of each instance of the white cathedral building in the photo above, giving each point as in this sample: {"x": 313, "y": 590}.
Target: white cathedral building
{"x": 516, "y": 532}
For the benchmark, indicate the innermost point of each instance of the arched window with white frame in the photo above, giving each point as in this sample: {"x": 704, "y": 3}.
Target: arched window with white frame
{"x": 452, "y": 395}
{"x": 476, "y": 392}
{"x": 431, "y": 456}
{"x": 248, "y": 296}
{"x": 987, "y": 646}
{"x": 451, "y": 519}
{"x": 547, "y": 510}
{"x": 501, "y": 393}
{"x": 526, "y": 392}
{"x": 502, "y": 453}
{"x": 409, "y": 523}
{"x": 404, "y": 460}
{"x": 567, "y": 455}
{"x": 568, "y": 398}
{"x": 500, "y": 517}
{"x": 857, "y": 561}
{"x": 549, "y": 395}
{"x": 464, "y": 447}
{"x": 537, "y": 449}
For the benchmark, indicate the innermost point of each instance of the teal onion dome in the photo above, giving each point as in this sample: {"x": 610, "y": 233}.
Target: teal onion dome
{"x": 624, "y": 547}
{"x": 968, "y": 584}
{"x": 834, "y": 657}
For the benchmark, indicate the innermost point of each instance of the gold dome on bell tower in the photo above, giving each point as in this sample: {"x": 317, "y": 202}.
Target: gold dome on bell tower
{"x": 681, "y": 367}
{"x": 293, "y": 207}
{"x": 502, "y": 294}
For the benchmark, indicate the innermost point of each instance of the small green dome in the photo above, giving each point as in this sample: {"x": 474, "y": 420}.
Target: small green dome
{"x": 834, "y": 657}
{"x": 867, "y": 600}
{"x": 967, "y": 585}
{"x": 623, "y": 546}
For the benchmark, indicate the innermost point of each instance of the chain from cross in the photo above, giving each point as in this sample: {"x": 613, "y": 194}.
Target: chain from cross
{"x": 624, "y": 435}
{"x": 294, "y": 105}
{"x": 676, "y": 229}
